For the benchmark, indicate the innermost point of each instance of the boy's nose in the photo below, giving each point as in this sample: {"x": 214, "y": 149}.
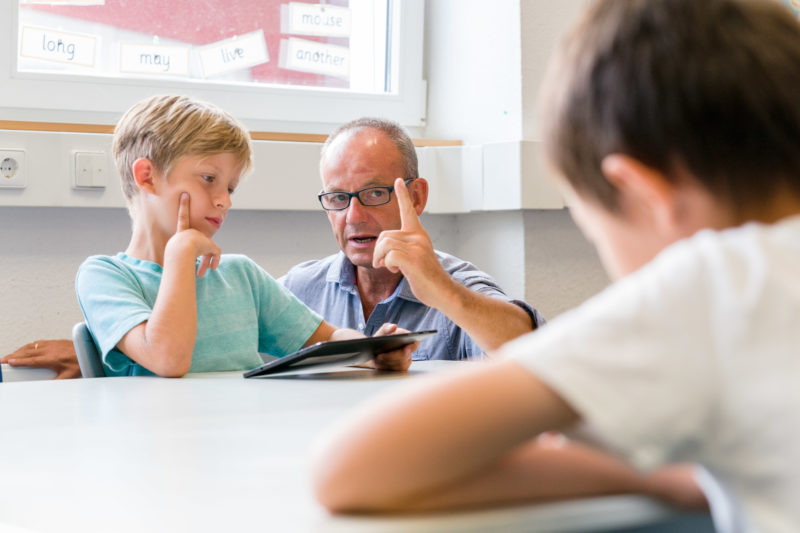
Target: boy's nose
{"x": 224, "y": 201}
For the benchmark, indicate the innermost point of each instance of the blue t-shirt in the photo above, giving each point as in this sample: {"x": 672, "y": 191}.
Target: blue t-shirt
{"x": 328, "y": 286}
{"x": 241, "y": 312}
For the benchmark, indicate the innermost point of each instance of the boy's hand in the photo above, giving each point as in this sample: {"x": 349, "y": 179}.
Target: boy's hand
{"x": 200, "y": 244}
{"x": 676, "y": 484}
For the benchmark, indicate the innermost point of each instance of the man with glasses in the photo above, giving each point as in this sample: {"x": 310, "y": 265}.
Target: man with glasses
{"x": 387, "y": 269}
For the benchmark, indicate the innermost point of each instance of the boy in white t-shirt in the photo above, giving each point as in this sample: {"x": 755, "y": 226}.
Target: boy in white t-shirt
{"x": 674, "y": 127}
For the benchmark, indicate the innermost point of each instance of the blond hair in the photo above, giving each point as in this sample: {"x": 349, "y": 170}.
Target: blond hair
{"x": 165, "y": 128}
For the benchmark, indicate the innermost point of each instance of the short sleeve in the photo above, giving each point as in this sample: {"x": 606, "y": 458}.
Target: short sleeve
{"x": 285, "y": 323}
{"x": 112, "y": 302}
{"x": 638, "y": 378}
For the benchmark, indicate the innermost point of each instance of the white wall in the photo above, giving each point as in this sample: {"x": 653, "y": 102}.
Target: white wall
{"x": 472, "y": 64}
{"x": 561, "y": 268}
{"x": 543, "y": 26}
{"x": 484, "y": 62}
{"x": 495, "y": 241}
{"x": 537, "y": 255}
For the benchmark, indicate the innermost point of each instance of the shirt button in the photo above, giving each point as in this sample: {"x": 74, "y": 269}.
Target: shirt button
{"x": 361, "y": 326}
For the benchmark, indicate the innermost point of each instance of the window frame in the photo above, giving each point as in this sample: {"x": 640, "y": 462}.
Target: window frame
{"x": 73, "y": 98}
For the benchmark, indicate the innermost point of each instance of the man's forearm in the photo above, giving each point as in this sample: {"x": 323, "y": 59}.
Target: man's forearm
{"x": 490, "y": 322}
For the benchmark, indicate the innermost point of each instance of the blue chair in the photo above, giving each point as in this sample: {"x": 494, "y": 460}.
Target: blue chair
{"x": 88, "y": 355}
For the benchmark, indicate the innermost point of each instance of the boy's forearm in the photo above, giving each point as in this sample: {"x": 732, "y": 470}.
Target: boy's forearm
{"x": 375, "y": 459}
{"x": 535, "y": 473}
{"x": 377, "y": 462}
{"x": 172, "y": 327}
{"x": 165, "y": 343}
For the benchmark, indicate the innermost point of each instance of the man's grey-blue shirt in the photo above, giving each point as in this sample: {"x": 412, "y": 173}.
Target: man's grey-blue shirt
{"x": 328, "y": 286}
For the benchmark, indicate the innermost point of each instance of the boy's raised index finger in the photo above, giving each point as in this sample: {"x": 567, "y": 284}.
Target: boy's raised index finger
{"x": 408, "y": 215}
{"x": 183, "y": 212}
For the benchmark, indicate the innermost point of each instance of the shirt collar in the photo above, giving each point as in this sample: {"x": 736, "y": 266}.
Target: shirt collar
{"x": 343, "y": 272}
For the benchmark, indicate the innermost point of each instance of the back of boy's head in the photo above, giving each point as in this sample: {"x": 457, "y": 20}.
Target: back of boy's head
{"x": 165, "y": 128}
{"x": 704, "y": 86}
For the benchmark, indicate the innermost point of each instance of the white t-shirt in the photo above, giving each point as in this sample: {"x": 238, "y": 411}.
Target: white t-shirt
{"x": 695, "y": 357}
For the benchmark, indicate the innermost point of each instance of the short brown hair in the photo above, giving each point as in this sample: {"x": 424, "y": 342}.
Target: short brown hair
{"x": 396, "y": 133}
{"x": 709, "y": 86}
{"x": 165, "y": 128}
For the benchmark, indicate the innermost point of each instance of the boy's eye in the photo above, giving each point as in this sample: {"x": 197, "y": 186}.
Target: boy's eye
{"x": 231, "y": 190}
{"x": 208, "y": 178}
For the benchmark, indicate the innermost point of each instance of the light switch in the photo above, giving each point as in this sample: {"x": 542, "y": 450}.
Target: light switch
{"x": 90, "y": 170}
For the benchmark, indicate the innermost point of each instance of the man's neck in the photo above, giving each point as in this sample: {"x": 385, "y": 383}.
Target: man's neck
{"x": 374, "y": 286}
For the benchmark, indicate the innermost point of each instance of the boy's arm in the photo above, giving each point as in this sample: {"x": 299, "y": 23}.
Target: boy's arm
{"x": 470, "y": 439}
{"x": 165, "y": 342}
{"x": 536, "y": 472}
{"x": 432, "y": 435}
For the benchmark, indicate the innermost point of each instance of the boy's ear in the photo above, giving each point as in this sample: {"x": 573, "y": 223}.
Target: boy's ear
{"x": 144, "y": 174}
{"x": 644, "y": 191}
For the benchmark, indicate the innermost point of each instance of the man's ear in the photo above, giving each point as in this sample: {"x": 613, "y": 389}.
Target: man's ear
{"x": 419, "y": 194}
{"x": 644, "y": 191}
{"x": 144, "y": 174}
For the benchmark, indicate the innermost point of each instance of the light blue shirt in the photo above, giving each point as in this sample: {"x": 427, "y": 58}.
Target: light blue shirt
{"x": 241, "y": 312}
{"x": 328, "y": 286}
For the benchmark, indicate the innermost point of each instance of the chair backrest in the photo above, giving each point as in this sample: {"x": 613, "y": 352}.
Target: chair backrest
{"x": 87, "y": 352}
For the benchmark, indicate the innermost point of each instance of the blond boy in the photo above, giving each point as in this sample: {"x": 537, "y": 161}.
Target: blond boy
{"x": 171, "y": 303}
{"x": 674, "y": 126}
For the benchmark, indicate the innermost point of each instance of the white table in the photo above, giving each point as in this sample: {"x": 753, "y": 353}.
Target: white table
{"x": 205, "y": 454}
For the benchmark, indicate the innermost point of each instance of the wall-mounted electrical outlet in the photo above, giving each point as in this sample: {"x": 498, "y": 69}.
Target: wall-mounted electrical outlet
{"x": 12, "y": 168}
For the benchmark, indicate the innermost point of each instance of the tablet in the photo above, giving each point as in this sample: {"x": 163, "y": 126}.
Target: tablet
{"x": 338, "y": 353}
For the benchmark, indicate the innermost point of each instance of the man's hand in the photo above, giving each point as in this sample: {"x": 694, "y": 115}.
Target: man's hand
{"x": 409, "y": 250}
{"x": 57, "y": 355}
{"x": 197, "y": 242}
{"x": 489, "y": 321}
{"x": 397, "y": 359}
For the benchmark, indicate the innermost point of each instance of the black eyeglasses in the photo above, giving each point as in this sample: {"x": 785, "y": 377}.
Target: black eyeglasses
{"x": 371, "y": 196}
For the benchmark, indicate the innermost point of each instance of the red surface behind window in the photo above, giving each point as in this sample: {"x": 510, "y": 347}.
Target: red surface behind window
{"x": 204, "y": 22}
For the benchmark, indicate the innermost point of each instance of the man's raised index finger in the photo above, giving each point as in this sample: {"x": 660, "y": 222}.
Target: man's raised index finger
{"x": 408, "y": 215}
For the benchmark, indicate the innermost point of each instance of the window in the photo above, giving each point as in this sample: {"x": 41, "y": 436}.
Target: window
{"x": 274, "y": 60}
